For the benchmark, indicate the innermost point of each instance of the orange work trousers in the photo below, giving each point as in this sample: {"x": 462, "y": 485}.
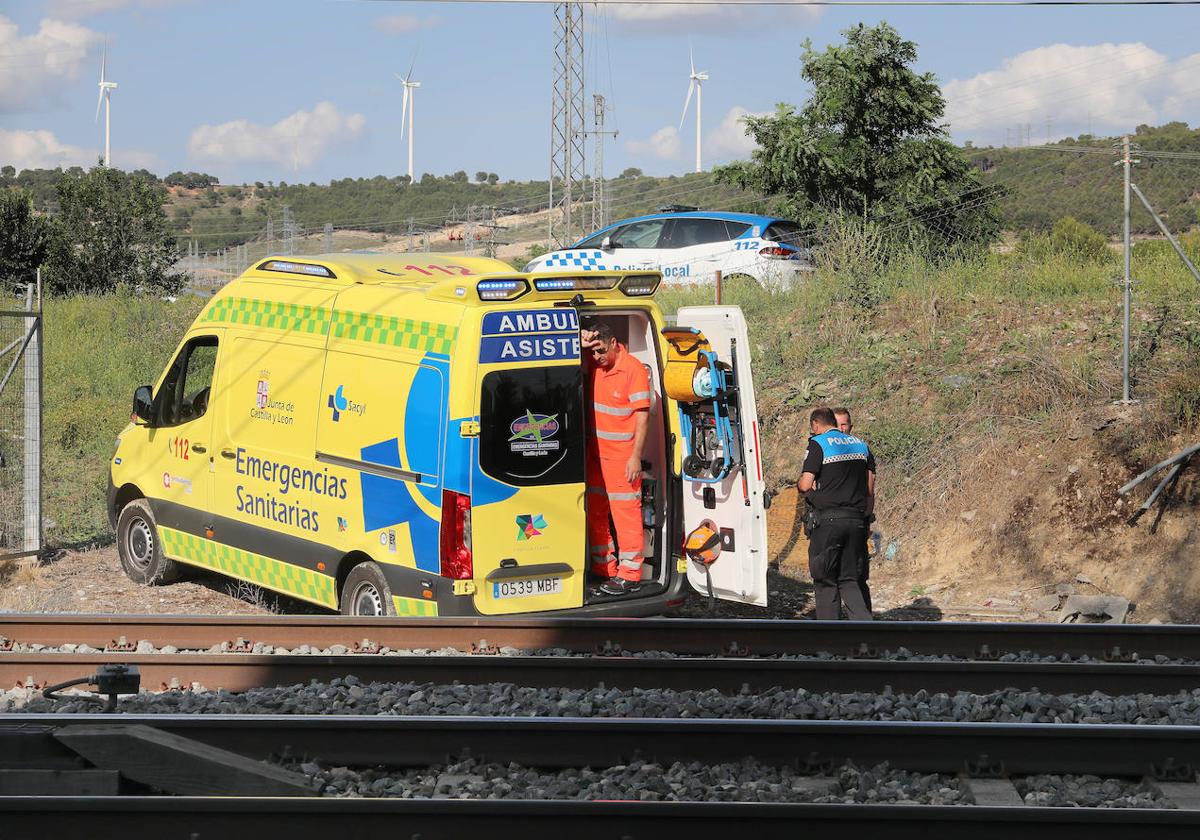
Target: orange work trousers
{"x": 610, "y": 493}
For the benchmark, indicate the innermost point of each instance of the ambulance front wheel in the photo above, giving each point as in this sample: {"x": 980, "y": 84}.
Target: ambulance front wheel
{"x": 366, "y": 592}
{"x": 139, "y": 547}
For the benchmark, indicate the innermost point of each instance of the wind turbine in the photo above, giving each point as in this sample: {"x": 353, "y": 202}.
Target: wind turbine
{"x": 105, "y": 98}
{"x": 694, "y": 81}
{"x": 407, "y": 111}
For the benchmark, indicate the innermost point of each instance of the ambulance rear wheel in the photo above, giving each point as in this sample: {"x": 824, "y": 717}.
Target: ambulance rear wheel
{"x": 366, "y": 592}
{"x": 139, "y": 546}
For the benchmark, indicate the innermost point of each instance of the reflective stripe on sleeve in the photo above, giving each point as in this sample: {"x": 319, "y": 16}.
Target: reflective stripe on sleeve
{"x": 640, "y": 395}
{"x": 620, "y": 436}
{"x": 613, "y": 410}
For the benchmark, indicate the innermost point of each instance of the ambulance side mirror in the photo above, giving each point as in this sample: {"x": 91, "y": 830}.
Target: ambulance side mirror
{"x": 143, "y": 406}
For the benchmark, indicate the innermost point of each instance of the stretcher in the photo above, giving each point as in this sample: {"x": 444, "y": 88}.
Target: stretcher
{"x": 706, "y": 391}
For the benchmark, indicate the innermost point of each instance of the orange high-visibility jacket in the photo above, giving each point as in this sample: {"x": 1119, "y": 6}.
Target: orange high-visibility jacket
{"x": 614, "y": 397}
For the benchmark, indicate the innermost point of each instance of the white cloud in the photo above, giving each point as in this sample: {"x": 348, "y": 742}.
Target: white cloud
{"x": 40, "y": 149}
{"x": 1105, "y": 88}
{"x": 729, "y": 139}
{"x": 404, "y": 24}
{"x": 296, "y": 141}
{"x": 674, "y": 17}
{"x": 33, "y": 68}
{"x": 663, "y": 144}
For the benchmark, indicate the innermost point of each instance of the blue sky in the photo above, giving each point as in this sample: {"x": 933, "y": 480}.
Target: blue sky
{"x": 303, "y": 90}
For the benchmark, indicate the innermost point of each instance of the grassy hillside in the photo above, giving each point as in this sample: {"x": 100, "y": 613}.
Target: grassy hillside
{"x": 97, "y": 350}
{"x": 1044, "y": 185}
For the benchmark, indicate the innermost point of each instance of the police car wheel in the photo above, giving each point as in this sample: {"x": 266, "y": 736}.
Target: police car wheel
{"x": 366, "y": 592}
{"x": 139, "y": 546}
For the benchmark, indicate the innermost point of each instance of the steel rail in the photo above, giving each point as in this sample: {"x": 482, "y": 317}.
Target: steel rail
{"x": 973, "y": 749}
{"x": 681, "y": 636}
{"x": 187, "y": 818}
{"x": 416, "y": 741}
{"x": 240, "y": 672}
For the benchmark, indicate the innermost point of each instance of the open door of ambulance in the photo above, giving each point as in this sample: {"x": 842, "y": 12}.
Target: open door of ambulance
{"x": 528, "y": 514}
{"x": 733, "y": 504}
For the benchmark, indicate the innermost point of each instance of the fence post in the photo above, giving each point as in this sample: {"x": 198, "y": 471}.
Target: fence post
{"x": 32, "y": 478}
{"x": 1126, "y": 280}
{"x": 718, "y": 288}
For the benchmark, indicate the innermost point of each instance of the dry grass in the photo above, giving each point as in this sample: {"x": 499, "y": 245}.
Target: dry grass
{"x": 22, "y": 589}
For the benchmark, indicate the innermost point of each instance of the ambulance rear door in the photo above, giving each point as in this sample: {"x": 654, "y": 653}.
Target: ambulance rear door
{"x": 734, "y": 505}
{"x": 527, "y": 517}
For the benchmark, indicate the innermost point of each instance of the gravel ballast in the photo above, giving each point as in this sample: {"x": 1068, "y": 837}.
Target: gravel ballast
{"x": 1070, "y": 791}
{"x": 745, "y": 781}
{"x": 351, "y": 696}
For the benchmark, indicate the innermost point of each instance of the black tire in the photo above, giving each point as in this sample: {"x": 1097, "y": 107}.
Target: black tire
{"x": 366, "y": 592}
{"x": 140, "y": 548}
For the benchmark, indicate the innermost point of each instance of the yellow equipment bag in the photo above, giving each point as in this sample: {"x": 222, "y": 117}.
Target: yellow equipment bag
{"x": 685, "y": 359}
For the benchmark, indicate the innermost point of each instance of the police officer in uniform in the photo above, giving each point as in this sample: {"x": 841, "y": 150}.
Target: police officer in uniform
{"x": 845, "y": 423}
{"x": 839, "y": 498}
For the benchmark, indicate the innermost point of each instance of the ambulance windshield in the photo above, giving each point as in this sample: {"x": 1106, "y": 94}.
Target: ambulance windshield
{"x": 531, "y": 425}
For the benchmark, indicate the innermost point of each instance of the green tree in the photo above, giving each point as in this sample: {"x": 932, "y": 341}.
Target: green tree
{"x": 111, "y": 231}
{"x": 493, "y": 178}
{"x": 480, "y": 176}
{"x": 631, "y": 172}
{"x": 25, "y": 240}
{"x": 868, "y": 144}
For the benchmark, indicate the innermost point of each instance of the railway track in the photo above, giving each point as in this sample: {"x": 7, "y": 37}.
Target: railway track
{"x": 726, "y": 655}
{"x": 981, "y": 756}
{"x": 968, "y": 640}
{"x": 239, "y": 672}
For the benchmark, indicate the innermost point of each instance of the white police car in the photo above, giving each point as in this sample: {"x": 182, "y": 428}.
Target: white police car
{"x": 688, "y": 247}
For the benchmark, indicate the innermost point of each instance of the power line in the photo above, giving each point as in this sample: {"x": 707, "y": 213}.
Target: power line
{"x": 875, "y": 3}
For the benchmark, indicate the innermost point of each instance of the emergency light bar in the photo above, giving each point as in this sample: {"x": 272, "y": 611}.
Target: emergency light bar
{"x": 288, "y": 267}
{"x": 501, "y": 289}
{"x": 571, "y": 284}
{"x": 640, "y": 285}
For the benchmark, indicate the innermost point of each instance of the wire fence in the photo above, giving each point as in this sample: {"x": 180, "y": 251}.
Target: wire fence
{"x": 20, "y": 425}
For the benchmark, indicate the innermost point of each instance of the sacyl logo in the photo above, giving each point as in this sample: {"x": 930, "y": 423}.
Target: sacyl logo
{"x": 340, "y": 403}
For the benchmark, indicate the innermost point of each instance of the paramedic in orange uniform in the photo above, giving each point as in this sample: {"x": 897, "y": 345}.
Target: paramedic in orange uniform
{"x": 618, "y": 415}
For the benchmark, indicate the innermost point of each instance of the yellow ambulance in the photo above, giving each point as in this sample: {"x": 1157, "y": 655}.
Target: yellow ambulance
{"x": 404, "y": 435}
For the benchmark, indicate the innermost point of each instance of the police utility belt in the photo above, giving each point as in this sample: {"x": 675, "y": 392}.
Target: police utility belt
{"x": 813, "y": 518}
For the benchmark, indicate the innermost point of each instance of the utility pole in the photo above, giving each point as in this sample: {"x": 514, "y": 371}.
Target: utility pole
{"x": 328, "y": 230}
{"x": 410, "y": 234}
{"x": 270, "y": 235}
{"x": 567, "y": 125}
{"x": 469, "y": 231}
{"x": 1126, "y": 278}
{"x": 599, "y": 188}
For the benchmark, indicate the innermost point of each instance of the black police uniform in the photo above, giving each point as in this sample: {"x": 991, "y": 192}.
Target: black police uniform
{"x": 837, "y": 524}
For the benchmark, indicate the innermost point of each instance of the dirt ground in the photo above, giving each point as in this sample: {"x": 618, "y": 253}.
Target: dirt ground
{"x": 91, "y": 581}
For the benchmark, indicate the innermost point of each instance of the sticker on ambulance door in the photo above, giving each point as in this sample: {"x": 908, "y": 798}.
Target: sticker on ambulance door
{"x": 531, "y": 434}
